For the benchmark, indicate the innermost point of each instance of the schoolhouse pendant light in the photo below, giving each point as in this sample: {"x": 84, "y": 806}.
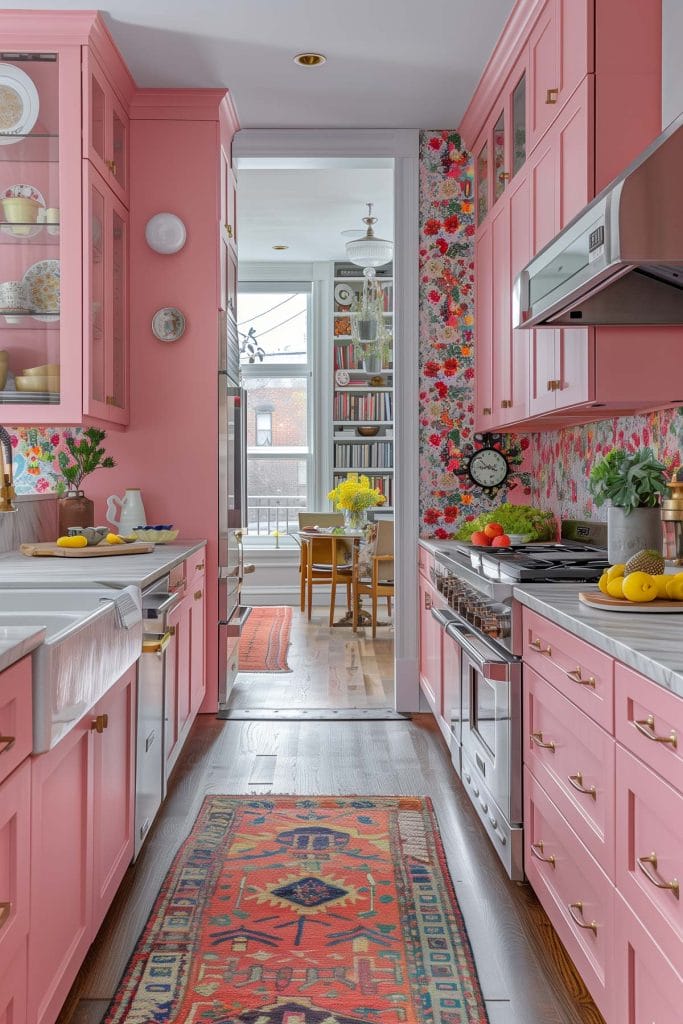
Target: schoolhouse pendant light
{"x": 369, "y": 251}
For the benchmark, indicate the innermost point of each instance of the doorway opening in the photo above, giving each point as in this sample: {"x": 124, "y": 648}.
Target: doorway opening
{"x": 320, "y": 417}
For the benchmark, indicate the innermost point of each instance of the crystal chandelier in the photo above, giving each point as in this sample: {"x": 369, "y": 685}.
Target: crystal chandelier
{"x": 369, "y": 251}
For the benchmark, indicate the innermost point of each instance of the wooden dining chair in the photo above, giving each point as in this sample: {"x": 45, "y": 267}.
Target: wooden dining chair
{"x": 373, "y": 571}
{"x": 323, "y": 561}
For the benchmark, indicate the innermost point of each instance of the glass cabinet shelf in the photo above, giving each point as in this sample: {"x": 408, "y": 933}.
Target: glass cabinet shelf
{"x": 35, "y": 148}
{"x": 28, "y": 322}
{"x": 29, "y": 234}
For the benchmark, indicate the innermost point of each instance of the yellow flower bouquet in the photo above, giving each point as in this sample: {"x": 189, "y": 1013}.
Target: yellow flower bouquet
{"x": 354, "y": 496}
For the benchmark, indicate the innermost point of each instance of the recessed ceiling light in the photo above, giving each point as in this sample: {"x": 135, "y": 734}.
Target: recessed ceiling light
{"x": 310, "y": 60}
{"x": 280, "y": 248}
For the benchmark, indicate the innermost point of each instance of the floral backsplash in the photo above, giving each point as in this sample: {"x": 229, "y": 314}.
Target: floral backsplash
{"x": 34, "y": 453}
{"x": 448, "y": 342}
{"x": 561, "y": 460}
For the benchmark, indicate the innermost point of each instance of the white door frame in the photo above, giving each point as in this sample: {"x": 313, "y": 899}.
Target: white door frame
{"x": 402, "y": 145}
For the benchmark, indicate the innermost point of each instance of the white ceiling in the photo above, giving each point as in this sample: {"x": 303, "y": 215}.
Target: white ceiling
{"x": 307, "y": 209}
{"x": 391, "y": 63}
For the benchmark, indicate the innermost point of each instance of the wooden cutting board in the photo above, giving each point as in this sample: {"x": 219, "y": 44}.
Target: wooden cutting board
{"x": 94, "y": 551}
{"x": 606, "y": 603}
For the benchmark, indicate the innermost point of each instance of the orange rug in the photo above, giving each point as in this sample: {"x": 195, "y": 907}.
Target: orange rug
{"x": 305, "y": 910}
{"x": 265, "y": 639}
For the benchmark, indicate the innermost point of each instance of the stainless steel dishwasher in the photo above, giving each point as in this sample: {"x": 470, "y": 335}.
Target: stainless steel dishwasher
{"x": 150, "y": 787}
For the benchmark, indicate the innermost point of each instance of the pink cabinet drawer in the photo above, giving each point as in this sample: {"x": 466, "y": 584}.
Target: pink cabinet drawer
{"x": 425, "y": 560}
{"x": 195, "y": 564}
{"x": 573, "y": 759}
{"x": 15, "y": 803}
{"x": 16, "y": 729}
{"x": 581, "y": 672}
{"x": 649, "y": 851}
{"x": 576, "y": 895}
{"x": 13, "y": 987}
{"x": 649, "y": 990}
{"x": 177, "y": 579}
{"x": 648, "y": 721}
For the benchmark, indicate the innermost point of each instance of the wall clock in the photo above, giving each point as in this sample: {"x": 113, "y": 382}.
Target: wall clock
{"x": 487, "y": 466}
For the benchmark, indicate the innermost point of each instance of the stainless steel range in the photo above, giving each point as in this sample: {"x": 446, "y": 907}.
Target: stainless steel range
{"x": 482, "y": 638}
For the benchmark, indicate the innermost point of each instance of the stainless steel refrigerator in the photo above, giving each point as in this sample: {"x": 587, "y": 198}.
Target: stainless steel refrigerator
{"x": 232, "y": 511}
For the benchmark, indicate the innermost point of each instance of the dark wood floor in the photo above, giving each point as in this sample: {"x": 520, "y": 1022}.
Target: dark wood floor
{"x": 525, "y": 975}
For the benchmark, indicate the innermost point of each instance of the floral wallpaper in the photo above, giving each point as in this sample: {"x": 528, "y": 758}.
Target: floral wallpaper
{"x": 448, "y": 343}
{"x": 561, "y": 460}
{"x": 34, "y": 454}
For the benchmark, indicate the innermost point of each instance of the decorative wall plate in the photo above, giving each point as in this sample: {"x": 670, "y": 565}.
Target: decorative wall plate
{"x": 168, "y": 324}
{"x": 23, "y": 192}
{"x": 42, "y": 281}
{"x": 165, "y": 233}
{"x": 19, "y": 104}
{"x": 343, "y": 295}
{"x": 342, "y": 378}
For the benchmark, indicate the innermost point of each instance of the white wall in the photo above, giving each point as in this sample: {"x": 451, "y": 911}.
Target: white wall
{"x": 672, "y": 60}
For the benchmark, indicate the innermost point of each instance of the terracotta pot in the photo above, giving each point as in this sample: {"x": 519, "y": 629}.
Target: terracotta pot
{"x": 75, "y": 510}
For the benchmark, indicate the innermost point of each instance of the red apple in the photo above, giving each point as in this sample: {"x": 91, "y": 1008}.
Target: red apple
{"x": 493, "y": 530}
{"x": 501, "y": 541}
{"x": 481, "y": 538}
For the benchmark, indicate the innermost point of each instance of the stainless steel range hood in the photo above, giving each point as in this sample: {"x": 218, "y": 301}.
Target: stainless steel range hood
{"x": 620, "y": 261}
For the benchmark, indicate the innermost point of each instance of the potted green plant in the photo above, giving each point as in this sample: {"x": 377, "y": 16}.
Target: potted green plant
{"x": 83, "y": 457}
{"x": 633, "y": 483}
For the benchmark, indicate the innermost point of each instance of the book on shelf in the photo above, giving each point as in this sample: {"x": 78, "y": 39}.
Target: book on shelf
{"x": 383, "y": 482}
{"x": 364, "y": 455}
{"x": 363, "y": 407}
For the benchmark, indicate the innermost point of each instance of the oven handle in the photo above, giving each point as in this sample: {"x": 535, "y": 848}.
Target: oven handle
{"x": 444, "y": 616}
{"x": 499, "y": 670}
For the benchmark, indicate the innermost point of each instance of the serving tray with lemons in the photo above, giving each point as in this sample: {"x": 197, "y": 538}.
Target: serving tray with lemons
{"x": 641, "y": 585}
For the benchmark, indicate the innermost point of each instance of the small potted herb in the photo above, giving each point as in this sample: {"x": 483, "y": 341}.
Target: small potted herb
{"x": 83, "y": 457}
{"x": 633, "y": 483}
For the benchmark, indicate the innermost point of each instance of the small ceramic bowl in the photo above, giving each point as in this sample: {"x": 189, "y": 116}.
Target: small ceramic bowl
{"x": 93, "y": 534}
{"x": 519, "y": 538}
{"x": 155, "y": 534}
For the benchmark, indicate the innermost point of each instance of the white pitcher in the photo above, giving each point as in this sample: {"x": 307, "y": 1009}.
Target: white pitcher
{"x": 132, "y": 511}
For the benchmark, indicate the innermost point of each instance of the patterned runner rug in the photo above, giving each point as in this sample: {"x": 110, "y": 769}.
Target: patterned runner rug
{"x": 265, "y": 639}
{"x": 305, "y": 910}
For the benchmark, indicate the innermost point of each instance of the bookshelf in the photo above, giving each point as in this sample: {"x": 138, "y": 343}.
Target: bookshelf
{"x": 362, "y": 395}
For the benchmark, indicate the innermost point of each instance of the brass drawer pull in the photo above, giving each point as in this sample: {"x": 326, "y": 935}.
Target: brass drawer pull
{"x": 647, "y": 727}
{"x": 506, "y": 404}
{"x": 673, "y": 885}
{"x": 5, "y": 911}
{"x": 199, "y": 566}
{"x": 111, "y": 164}
{"x": 551, "y": 96}
{"x": 228, "y": 230}
{"x": 486, "y": 412}
{"x": 554, "y": 385}
{"x": 198, "y": 594}
{"x": 180, "y": 585}
{"x": 575, "y": 675}
{"x": 100, "y": 723}
{"x": 428, "y": 600}
{"x": 536, "y": 645}
{"x": 537, "y": 852}
{"x": 7, "y": 743}
{"x": 578, "y": 918}
{"x": 577, "y": 782}
{"x": 537, "y": 738}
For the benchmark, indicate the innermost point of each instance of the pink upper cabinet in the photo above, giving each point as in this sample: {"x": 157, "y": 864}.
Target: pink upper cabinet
{"x": 105, "y": 127}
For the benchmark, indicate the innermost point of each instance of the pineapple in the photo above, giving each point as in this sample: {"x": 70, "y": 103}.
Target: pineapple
{"x": 648, "y": 561}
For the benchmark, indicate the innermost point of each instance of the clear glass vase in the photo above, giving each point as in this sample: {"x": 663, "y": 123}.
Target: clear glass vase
{"x": 355, "y": 519}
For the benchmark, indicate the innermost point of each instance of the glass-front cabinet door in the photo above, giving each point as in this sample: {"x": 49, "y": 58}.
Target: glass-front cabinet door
{"x": 482, "y": 180}
{"x": 105, "y": 299}
{"x": 40, "y": 236}
{"x": 500, "y": 174}
{"x": 519, "y": 125}
{"x": 105, "y": 136}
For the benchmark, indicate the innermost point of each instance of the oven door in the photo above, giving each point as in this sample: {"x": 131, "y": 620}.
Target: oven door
{"x": 491, "y": 717}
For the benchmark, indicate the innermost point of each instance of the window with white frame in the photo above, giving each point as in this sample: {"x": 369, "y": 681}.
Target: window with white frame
{"x": 274, "y": 326}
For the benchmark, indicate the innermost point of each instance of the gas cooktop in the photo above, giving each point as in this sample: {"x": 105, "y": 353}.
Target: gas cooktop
{"x": 539, "y": 563}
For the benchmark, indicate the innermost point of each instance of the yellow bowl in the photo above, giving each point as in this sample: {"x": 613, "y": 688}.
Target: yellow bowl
{"x": 46, "y": 370}
{"x": 37, "y": 384}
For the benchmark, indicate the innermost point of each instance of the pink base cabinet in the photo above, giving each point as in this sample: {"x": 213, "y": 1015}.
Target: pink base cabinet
{"x": 82, "y": 795}
{"x": 603, "y": 774}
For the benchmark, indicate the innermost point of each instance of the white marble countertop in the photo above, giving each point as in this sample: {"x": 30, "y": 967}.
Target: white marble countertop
{"x": 114, "y": 571}
{"x": 17, "y": 641}
{"x": 649, "y": 644}
{"x": 434, "y": 545}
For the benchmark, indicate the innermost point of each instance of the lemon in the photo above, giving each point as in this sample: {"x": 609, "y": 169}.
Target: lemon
{"x": 72, "y": 542}
{"x": 661, "y": 582}
{"x": 602, "y": 583}
{"x": 640, "y": 587}
{"x": 113, "y": 538}
{"x": 615, "y": 587}
{"x": 674, "y": 587}
{"x": 615, "y": 570}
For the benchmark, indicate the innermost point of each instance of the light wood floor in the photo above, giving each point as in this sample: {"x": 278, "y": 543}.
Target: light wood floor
{"x": 331, "y": 668}
{"x": 525, "y": 974}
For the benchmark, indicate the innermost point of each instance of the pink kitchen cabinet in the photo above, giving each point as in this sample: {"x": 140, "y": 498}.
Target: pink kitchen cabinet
{"x": 484, "y": 329}
{"x": 228, "y": 234}
{"x": 186, "y": 655}
{"x": 197, "y": 667}
{"x": 13, "y": 988}
{"x": 81, "y": 842}
{"x": 106, "y": 128}
{"x": 15, "y": 824}
{"x": 105, "y": 302}
{"x": 430, "y": 644}
{"x": 113, "y": 792}
{"x": 650, "y": 987}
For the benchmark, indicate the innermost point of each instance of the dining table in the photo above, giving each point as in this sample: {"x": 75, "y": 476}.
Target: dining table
{"x": 336, "y": 536}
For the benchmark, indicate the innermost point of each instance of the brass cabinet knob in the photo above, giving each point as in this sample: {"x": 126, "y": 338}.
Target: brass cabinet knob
{"x": 199, "y": 567}
{"x": 100, "y": 723}
{"x": 486, "y": 412}
{"x": 198, "y": 594}
{"x": 554, "y": 385}
{"x": 111, "y": 164}
{"x": 551, "y": 96}
{"x": 228, "y": 230}
{"x": 506, "y": 404}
